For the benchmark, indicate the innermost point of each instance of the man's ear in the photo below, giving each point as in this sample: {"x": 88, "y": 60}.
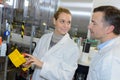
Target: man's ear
{"x": 110, "y": 29}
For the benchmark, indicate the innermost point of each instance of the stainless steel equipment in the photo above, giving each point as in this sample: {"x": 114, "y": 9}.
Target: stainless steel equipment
{"x": 36, "y": 16}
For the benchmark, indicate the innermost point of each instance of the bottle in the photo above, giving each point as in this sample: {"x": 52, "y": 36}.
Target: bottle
{"x": 3, "y": 48}
{"x": 85, "y": 53}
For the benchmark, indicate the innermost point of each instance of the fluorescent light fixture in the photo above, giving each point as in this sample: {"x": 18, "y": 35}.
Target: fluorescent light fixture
{"x": 26, "y": 3}
{"x": 76, "y": 4}
{"x": 83, "y": 13}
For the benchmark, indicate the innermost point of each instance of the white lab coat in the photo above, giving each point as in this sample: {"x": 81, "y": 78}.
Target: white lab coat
{"x": 106, "y": 64}
{"x": 60, "y": 61}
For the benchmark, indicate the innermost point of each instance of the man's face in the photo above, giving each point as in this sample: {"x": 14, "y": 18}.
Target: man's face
{"x": 97, "y": 26}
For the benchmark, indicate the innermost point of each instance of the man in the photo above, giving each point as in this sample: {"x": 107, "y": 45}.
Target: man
{"x": 105, "y": 26}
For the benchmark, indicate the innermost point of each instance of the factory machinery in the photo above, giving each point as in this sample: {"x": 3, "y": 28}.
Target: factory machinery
{"x": 23, "y": 22}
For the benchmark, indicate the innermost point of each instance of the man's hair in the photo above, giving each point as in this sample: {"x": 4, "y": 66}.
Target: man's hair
{"x": 111, "y": 16}
{"x": 61, "y": 10}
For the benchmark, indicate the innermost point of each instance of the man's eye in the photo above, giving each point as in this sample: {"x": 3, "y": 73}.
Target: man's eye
{"x": 93, "y": 23}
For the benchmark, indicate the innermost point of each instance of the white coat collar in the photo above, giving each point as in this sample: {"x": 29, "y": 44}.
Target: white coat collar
{"x": 58, "y": 45}
{"x": 64, "y": 39}
{"x": 111, "y": 44}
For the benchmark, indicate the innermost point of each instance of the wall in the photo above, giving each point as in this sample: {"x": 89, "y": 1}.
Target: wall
{"x": 106, "y": 2}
